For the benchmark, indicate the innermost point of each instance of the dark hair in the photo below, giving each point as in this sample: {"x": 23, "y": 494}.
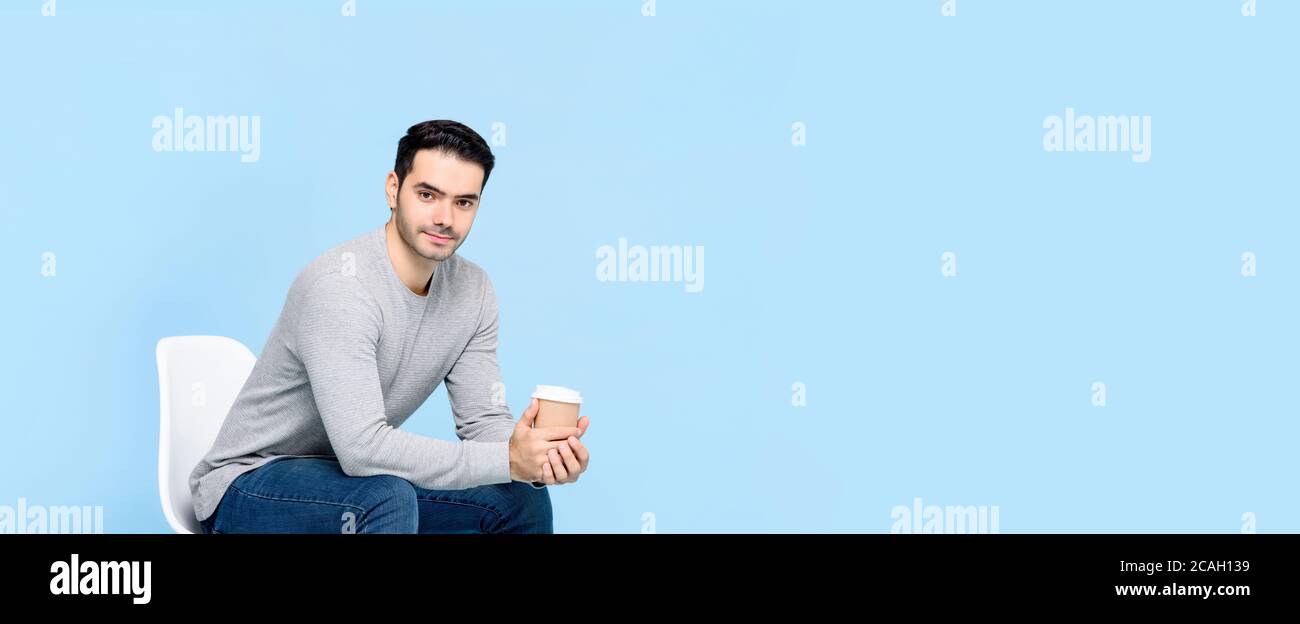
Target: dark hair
{"x": 449, "y": 137}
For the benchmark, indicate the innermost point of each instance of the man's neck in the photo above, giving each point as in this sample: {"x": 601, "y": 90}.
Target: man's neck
{"x": 414, "y": 270}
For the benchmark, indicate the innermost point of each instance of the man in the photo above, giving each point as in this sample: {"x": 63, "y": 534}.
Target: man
{"x": 368, "y": 331}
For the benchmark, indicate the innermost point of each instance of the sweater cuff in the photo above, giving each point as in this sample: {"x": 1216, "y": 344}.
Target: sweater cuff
{"x": 488, "y": 462}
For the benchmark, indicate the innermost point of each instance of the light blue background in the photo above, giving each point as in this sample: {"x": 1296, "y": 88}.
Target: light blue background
{"x": 821, "y": 264}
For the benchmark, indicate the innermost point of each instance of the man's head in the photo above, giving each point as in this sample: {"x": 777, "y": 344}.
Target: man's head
{"x": 435, "y": 186}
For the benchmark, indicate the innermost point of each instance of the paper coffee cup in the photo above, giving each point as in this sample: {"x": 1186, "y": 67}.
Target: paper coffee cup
{"x": 557, "y": 406}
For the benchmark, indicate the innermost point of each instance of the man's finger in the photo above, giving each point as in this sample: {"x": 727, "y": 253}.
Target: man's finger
{"x": 548, "y": 475}
{"x": 556, "y": 433}
{"x": 557, "y": 466}
{"x": 581, "y": 451}
{"x": 530, "y": 414}
{"x": 571, "y": 463}
{"x": 583, "y": 423}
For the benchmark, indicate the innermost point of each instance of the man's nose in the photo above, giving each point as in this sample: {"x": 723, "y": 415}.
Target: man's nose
{"x": 442, "y": 212}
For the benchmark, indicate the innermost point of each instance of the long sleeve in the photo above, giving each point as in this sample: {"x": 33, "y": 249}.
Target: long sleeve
{"x": 474, "y": 387}
{"x": 336, "y": 339}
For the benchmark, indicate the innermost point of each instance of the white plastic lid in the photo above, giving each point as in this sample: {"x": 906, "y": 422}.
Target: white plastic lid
{"x": 558, "y": 393}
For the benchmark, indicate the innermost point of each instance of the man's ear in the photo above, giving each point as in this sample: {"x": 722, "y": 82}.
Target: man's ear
{"x": 390, "y": 190}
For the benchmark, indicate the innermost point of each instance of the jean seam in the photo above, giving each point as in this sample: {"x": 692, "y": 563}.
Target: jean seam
{"x": 284, "y": 499}
{"x": 499, "y": 515}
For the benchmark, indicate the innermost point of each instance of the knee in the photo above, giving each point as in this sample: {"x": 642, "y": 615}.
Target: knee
{"x": 389, "y": 506}
{"x": 527, "y": 510}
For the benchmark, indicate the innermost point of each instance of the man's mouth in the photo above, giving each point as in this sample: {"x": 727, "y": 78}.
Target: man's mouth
{"x": 440, "y": 240}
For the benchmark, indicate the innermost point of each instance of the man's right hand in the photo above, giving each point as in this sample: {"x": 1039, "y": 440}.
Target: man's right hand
{"x": 529, "y": 447}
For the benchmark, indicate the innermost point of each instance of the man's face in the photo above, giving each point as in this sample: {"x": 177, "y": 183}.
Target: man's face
{"x": 436, "y": 204}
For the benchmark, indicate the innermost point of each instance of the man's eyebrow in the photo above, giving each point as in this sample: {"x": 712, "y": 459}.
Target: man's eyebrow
{"x": 430, "y": 187}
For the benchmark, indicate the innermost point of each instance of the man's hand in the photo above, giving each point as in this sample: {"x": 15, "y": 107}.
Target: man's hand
{"x": 569, "y": 460}
{"x": 530, "y": 448}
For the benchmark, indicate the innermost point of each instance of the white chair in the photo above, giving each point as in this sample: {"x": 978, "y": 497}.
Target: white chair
{"x": 198, "y": 380}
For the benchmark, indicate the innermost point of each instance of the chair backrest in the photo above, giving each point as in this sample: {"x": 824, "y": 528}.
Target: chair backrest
{"x": 199, "y": 378}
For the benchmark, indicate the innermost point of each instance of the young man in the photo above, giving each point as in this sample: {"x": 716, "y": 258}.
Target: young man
{"x": 368, "y": 331}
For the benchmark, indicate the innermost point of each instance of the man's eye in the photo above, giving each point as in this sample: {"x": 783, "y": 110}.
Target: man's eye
{"x": 465, "y": 203}
{"x": 425, "y": 195}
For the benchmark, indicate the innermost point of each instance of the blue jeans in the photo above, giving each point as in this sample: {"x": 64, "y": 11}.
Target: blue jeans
{"x": 313, "y": 495}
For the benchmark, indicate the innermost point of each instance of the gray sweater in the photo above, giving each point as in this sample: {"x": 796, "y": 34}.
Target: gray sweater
{"x": 352, "y": 356}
